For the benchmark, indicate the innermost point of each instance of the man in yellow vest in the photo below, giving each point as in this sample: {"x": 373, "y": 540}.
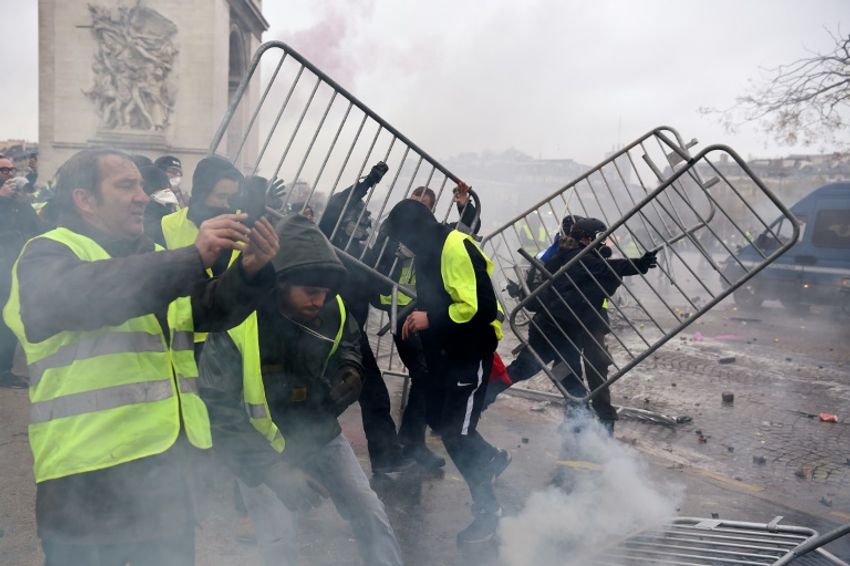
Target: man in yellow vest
{"x": 275, "y": 386}
{"x": 457, "y": 319}
{"x": 396, "y": 262}
{"x": 105, "y": 320}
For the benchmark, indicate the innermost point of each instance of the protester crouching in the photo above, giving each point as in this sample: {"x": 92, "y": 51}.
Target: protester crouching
{"x": 275, "y": 387}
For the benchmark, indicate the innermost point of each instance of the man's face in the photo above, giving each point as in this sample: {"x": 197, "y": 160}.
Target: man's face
{"x": 119, "y": 210}
{"x": 7, "y": 169}
{"x": 300, "y": 302}
{"x": 222, "y": 193}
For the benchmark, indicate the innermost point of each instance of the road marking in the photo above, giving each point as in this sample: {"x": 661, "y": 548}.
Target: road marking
{"x": 729, "y": 481}
{"x": 580, "y": 465}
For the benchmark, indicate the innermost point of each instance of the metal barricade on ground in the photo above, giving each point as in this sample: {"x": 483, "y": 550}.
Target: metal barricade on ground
{"x": 708, "y": 542}
{"x": 695, "y": 211}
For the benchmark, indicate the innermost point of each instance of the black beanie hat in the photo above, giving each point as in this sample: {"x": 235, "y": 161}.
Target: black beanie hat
{"x": 209, "y": 171}
{"x": 153, "y": 179}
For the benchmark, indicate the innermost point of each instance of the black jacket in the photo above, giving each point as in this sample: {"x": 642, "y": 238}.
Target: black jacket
{"x": 414, "y": 225}
{"x": 580, "y": 292}
{"x": 296, "y": 383}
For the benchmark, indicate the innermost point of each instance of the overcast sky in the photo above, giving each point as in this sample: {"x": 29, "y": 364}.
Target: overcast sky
{"x": 553, "y": 78}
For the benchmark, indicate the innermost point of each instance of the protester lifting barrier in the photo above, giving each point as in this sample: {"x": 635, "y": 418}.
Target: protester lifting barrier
{"x": 289, "y": 120}
{"x": 695, "y": 211}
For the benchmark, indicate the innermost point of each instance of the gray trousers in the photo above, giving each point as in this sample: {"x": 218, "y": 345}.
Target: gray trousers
{"x": 336, "y": 467}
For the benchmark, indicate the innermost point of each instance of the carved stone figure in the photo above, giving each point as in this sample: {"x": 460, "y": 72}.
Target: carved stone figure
{"x": 133, "y": 67}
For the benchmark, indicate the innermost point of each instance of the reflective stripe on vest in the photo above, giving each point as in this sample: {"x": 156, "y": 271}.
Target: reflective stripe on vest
{"x": 180, "y": 232}
{"x": 459, "y": 280}
{"x": 406, "y": 277}
{"x": 247, "y": 341}
{"x": 104, "y": 397}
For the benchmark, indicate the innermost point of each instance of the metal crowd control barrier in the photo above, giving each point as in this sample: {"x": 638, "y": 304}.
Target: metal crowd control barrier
{"x": 693, "y": 542}
{"x": 697, "y": 212}
{"x": 290, "y": 121}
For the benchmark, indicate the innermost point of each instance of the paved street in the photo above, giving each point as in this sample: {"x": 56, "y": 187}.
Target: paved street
{"x": 803, "y": 476}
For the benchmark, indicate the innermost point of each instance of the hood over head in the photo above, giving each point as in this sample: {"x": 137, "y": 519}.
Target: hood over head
{"x": 306, "y": 257}
{"x": 411, "y": 223}
{"x": 209, "y": 171}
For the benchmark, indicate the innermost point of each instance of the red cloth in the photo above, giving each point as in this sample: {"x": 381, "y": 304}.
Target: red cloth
{"x": 499, "y": 371}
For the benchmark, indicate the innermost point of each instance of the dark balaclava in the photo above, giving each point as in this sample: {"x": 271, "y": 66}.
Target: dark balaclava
{"x": 209, "y": 171}
{"x": 411, "y": 223}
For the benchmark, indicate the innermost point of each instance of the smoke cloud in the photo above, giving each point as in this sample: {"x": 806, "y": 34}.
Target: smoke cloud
{"x": 607, "y": 494}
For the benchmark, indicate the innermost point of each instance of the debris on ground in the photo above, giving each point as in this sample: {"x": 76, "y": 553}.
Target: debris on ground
{"x": 727, "y": 337}
{"x": 826, "y": 502}
{"x": 524, "y": 440}
{"x": 730, "y": 448}
{"x": 760, "y": 460}
{"x": 540, "y": 407}
{"x": 728, "y": 397}
{"x": 744, "y": 319}
{"x": 715, "y": 515}
{"x": 828, "y": 418}
{"x": 727, "y": 360}
{"x": 698, "y": 337}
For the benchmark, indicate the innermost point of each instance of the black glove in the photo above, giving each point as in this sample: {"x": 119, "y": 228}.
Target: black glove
{"x": 347, "y": 389}
{"x": 513, "y": 289}
{"x": 377, "y": 173}
{"x": 297, "y": 490}
{"x": 646, "y": 262}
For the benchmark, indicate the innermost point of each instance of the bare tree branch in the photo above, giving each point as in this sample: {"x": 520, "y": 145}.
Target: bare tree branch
{"x": 807, "y": 100}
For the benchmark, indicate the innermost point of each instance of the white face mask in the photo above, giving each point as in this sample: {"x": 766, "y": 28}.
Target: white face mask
{"x": 175, "y": 181}
{"x": 164, "y": 196}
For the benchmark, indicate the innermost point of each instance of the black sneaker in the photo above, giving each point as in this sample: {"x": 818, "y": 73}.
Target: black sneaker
{"x": 398, "y": 465}
{"x": 498, "y": 464}
{"x": 424, "y": 457}
{"x": 482, "y": 529}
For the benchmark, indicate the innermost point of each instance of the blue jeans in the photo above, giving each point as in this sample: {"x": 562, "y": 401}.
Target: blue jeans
{"x": 336, "y": 467}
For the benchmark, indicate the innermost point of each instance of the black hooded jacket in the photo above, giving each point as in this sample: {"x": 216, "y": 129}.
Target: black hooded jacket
{"x": 411, "y": 223}
{"x": 293, "y": 357}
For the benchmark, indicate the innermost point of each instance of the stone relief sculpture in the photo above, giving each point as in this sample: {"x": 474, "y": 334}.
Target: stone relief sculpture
{"x": 133, "y": 68}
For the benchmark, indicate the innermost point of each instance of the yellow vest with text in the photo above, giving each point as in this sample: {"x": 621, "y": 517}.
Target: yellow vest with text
{"x": 180, "y": 232}
{"x": 103, "y": 397}
{"x": 459, "y": 280}
{"x": 247, "y": 341}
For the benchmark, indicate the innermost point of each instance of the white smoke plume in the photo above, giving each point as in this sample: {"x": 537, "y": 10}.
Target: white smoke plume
{"x": 610, "y": 496}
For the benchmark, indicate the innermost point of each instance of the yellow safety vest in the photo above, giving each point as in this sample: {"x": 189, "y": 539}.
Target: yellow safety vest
{"x": 247, "y": 341}
{"x": 406, "y": 277}
{"x": 180, "y": 232}
{"x": 103, "y": 397}
{"x": 459, "y": 280}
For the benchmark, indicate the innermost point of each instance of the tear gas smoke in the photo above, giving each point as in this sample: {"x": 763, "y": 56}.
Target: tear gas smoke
{"x": 601, "y": 506}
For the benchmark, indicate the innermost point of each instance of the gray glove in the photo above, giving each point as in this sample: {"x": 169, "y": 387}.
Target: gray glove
{"x": 347, "y": 389}
{"x": 297, "y": 490}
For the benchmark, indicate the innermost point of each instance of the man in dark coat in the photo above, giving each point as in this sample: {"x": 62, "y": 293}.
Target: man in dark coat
{"x": 458, "y": 320}
{"x": 298, "y": 361}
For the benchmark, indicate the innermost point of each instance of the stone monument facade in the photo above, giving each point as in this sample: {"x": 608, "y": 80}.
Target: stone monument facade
{"x": 147, "y": 76}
